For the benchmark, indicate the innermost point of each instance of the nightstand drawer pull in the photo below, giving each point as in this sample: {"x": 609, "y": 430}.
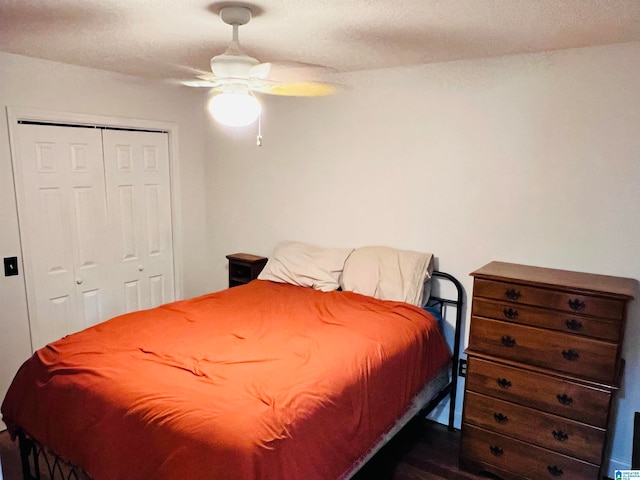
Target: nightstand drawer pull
{"x": 564, "y": 399}
{"x": 573, "y": 324}
{"x": 507, "y": 341}
{"x": 512, "y": 294}
{"x": 554, "y": 470}
{"x": 500, "y": 418}
{"x": 510, "y": 313}
{"x": 504, "y": 383}
{"x": 570, "y": 355}
{"x": 560, "y": 436}
{"x": 577, "y": 305}
{"x": 240, "y": 272}
{"x": 496, "y": 451}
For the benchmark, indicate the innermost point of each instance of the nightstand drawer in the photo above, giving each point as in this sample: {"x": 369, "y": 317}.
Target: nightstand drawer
{"x": 534, "y": 426}
{"x": 240, "y": 273}
{"x": 516, "y": 456}
{"x": 543, "y": 392}
{"x": 562, "y": 352}
{"x": 554, "y": 299}
{"x": 603, "y": 329}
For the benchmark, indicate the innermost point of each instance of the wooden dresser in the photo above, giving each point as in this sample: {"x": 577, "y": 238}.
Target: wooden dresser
{"x": 543, "y": 366}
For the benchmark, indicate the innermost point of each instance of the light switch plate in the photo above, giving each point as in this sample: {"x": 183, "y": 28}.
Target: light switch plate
{"x": 10, "y": 266}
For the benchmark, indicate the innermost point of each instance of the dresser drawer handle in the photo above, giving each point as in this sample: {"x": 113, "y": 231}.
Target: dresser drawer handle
{"x": 573, "y": 324}
{"x": 510, "y": 313}
{"x": 496, "y": 451}
{"x": 570, "y": 355}
{"x": 564, "y": 399}
{"x": 507, "y": 341}
{"x": 577, "y": 305}
{"x": 504, "y": 383}
{"x": 500, "y": 418}
{"x": 512, "y": 294}
{"x": 555, "y": 471}
{"x": 560, "y": 436}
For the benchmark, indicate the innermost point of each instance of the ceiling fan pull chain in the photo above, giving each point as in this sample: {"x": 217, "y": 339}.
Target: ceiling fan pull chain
{"x": 259, "y": 137}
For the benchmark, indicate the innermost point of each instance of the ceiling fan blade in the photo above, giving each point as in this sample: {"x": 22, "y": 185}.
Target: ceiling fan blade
{"x": 294, "y": 72}
{"x": 260, "y": 71}
{"x": 224, "y": 84}
{"x": 199, "y": 83}
{"x": 299, "y": 89}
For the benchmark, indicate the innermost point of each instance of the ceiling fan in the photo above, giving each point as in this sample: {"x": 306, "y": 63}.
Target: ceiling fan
{"x": 236, "y": 76}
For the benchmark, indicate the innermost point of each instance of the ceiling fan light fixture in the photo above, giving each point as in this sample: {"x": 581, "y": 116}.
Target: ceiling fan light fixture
{"x": 235, "y": 109}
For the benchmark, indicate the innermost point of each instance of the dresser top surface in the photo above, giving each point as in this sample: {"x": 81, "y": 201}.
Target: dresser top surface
{"x": 550, "y": 277}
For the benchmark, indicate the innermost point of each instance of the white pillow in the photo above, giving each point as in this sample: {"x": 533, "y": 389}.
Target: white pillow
{"x": 306, "y": 265}
{"x": 389, "y": 274}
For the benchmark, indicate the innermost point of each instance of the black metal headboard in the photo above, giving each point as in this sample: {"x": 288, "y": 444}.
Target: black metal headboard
{"x": 441, "y": 302}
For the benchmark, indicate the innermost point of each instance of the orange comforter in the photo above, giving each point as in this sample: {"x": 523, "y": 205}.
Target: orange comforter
{"x": 263, "y": 381}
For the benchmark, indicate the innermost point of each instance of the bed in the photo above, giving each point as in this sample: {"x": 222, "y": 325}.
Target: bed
{"x": 275, "y": 379}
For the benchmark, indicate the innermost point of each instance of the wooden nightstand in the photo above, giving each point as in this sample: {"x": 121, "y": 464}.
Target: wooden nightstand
{"x": 244, "y": 267}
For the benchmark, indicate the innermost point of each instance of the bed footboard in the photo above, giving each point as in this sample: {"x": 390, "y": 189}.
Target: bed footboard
{"x": 39, "y": 463}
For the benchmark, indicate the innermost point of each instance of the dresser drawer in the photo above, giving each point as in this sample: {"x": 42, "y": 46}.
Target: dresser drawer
{"x": 517, "y": 456}
{"x": 556, "y": 433}
{"x": 543, "y": 392}
{"x": 562, "y": 352}
{"x": 604, "y": 329}
{"x": 554, "y": 299}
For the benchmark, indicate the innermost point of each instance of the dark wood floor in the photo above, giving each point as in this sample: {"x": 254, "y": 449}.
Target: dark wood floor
{"x": 422, "y": 451}
{"x": 433, "y": 454}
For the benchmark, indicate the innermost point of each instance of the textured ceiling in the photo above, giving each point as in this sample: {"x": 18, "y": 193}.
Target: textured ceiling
{"x": 172, "y": 39}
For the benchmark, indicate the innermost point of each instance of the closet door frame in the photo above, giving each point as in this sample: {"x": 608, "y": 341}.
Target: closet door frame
{"x": 15, "y": 115}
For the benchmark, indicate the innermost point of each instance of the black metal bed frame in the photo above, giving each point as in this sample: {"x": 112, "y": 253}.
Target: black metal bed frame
{"x": 34, "y": 456}
{"x": 452, "y": 387}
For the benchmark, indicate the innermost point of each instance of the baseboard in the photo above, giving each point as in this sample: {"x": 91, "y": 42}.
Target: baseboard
{"x": 617, "y": 464}
{"x": 441, "y": 415}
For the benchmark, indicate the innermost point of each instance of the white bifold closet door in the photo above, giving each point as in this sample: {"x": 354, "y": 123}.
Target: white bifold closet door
{"x": 139, "y": 196}
{"x": 95, "y": 221}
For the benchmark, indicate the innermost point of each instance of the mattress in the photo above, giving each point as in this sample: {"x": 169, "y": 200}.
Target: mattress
{"x": 256, "y": 382}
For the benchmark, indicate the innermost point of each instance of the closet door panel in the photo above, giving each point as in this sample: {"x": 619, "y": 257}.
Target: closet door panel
{"x": 128, "y": 244}
{"x": 137, "y": 179}
{"x": 47, "y": 221}
{"x": 132, "y": 296}
{"x": 62, "y": 214}
{"x": 157, "y": 289}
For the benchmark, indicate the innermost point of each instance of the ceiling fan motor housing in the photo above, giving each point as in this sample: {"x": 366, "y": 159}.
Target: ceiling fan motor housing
{"x": 235, "y": 65}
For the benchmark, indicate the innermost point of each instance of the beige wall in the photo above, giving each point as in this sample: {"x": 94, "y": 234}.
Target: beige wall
{"x": 36, "y": 84}
{"x": 532, "y": 159}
